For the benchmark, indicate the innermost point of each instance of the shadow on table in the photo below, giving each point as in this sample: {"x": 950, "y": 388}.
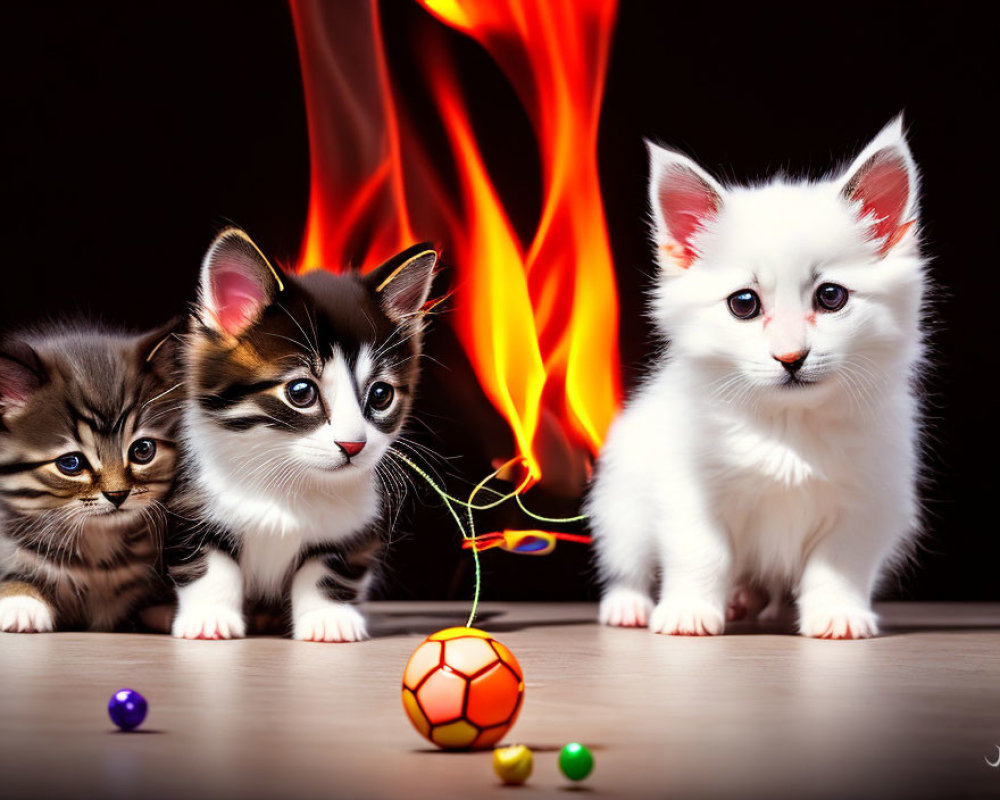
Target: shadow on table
{"x": 902, "y": 628}
{"x": 534, "y": 748}
{"x": 401, "y": 623}
{"x": 788, "y": 627}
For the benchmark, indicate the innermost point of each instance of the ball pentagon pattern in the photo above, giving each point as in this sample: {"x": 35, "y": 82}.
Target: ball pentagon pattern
{"x": 462, "y": 689}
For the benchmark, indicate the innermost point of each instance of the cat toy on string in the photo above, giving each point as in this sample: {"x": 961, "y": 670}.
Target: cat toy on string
{"x": 527, "y": 542}
{"x": 465, "y": 671}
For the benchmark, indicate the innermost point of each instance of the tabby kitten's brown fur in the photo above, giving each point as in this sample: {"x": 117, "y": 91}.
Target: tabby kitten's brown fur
{"x": 86, "y": 457}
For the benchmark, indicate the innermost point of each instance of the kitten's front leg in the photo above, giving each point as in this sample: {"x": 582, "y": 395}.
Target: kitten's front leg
{"x": 211, "y": 606}
{"x": 321, "y": 610}
{"x": 624, "y": 546}
{"x": 839, "y": 577}
{"x": 696, "y": 559}
{"x": 24, "y": 609}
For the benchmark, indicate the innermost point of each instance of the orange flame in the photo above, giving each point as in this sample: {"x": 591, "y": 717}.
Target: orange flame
{"x": 555, "y": 54}
{"x": 539, "y": 322}
{"x": 357, "y": 207}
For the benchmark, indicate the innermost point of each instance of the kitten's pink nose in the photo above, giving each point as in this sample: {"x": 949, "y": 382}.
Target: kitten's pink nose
{"x": 351, "y": 449}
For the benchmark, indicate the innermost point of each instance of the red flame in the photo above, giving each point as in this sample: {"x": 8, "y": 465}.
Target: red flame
{"x": 539, "y": 319}
{"x": 358, "y": 213}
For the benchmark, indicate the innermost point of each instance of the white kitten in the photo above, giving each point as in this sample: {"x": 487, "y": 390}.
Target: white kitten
{"x": 773, "y": 450}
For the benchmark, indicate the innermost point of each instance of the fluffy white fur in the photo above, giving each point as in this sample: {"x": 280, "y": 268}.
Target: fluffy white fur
{"x": 732, "y": 487}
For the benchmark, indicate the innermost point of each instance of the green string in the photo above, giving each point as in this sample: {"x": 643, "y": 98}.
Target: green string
{"x": 448, "y": 500}
{"x": 471, "y": 507}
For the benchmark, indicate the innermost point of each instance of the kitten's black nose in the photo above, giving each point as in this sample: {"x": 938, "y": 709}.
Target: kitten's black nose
{"x": 792, "y": 361}
{"x": 117, "y": 498}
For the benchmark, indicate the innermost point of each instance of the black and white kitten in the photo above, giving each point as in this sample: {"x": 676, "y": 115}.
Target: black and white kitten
{"x": 296, "y": 388}
{"x": 87, "y": 422}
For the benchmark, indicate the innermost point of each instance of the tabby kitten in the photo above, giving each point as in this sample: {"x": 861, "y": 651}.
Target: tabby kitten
{"x": 86, "y": 457}
{"x": 296, "y": 388}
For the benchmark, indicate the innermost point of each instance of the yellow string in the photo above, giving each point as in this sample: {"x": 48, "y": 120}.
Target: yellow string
{"x": 471, "y": 507}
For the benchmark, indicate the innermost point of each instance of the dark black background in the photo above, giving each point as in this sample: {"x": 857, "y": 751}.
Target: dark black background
{"x": 134, "y": 131}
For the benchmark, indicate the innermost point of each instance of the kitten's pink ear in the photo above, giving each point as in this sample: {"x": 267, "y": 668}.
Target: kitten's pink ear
{"x": 237, "y": 283}
{"x": 683, "y": 198}
{"x": 403, "y": 283}
{"x": 881, "y": 186}
{"x": 21, "y": 374}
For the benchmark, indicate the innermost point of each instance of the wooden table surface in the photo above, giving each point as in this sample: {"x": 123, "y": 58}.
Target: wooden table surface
{"x": 755, "y": 713}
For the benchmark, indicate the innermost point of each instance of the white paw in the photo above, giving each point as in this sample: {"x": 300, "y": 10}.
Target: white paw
{"x": 23, "y": 614}
{"x": 332, "y": 623}
{"x": 209, "y": 622}
{"x": 687, "y": 616}
{"x": 838, "y": 622}
{"x": 625, "y": 608}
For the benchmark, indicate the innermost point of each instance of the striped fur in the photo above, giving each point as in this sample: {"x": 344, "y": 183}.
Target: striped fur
{"x": 81, "y": 547}
{"x": 273, "y": 507}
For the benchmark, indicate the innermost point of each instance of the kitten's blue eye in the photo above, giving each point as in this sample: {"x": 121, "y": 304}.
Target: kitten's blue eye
{"x": 71, "y": 464}
{"x": 302, "y": 394}
{"x": 831, "y": 297}
{"x": 142, "y": 451}
{"x": 380, "y": 396}
{"x": 744, "y": 304}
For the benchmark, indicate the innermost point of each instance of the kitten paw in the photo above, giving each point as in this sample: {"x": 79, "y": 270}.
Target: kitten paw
{"x": 839, "y": 623}
{"x": 687, "y": 617}
{"x": 334, "y": 623}
{"x": 625, "y": 608}
{"x": 209, "y": 622}
{"x": 24, "y": 614}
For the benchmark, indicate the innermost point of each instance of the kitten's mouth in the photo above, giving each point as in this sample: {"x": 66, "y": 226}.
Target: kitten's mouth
{"x": 795, "y": 382}
{"x": 336, "y": 467}
{"x": 95, "y": 510}
{"x": 115, "y": 516}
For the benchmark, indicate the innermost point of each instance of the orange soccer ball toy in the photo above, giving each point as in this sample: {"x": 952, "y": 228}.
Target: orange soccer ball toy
{"x": 462, "y": 689}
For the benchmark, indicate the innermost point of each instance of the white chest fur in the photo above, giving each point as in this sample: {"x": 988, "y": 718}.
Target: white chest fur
{"x": 274, "y": 519}
{"x": 272, "y": 532}
{"x": 783, "y": 480}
